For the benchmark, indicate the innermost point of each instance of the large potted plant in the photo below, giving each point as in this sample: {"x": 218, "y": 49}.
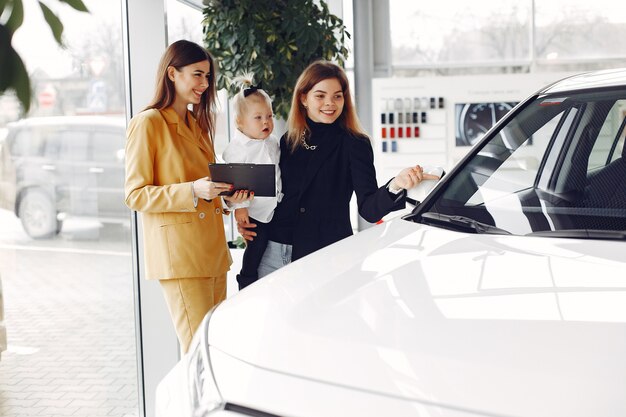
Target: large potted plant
{"x": 274, "y": 39}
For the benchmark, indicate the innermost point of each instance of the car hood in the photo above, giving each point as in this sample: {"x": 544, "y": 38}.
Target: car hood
{"x": 498, "y": 325}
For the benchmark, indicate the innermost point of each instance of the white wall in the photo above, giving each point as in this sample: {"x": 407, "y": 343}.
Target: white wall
{"x": 436, "y": 144}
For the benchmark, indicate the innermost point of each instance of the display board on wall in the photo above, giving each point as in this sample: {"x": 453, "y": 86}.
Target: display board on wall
{"x": 436, "y": 120}
{"x": 473, "y": 120}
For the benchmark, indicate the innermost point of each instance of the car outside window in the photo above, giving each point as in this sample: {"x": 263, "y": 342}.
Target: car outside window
{"x": 75, "y": 145}
{"x": 56, "y": 169}
{"x": 26, "y": 142}
{"x": 108, "y": 146}
{"x": 52, "y": 148}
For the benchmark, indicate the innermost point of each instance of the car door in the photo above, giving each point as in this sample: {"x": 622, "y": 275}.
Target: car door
{"x": 107, "y": 172}
{"x": 34, "y": 160}
{"x": 78, "y": 186}
{"x": 8, "y": 188}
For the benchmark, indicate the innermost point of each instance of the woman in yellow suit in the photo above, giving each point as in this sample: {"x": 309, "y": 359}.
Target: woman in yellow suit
{"x": 168, "y": 150}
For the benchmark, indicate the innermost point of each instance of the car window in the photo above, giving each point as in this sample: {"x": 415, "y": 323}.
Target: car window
{"x": 53, "y": 144}
{"x": 27, "y": 142}
{"x": 611, "y": 132}
{"x": 551, "y": 167}
{"x": 75, "y": 145}
{"x": 619, "y": 148}
{"x": 565, "y": 121}
{"x": 108, "y": 146}
{"x": 519, "y": 171}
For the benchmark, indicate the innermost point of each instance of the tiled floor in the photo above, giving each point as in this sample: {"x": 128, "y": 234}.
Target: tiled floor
{"x": 71, "y": 341}
{"x": 70, "y": 322}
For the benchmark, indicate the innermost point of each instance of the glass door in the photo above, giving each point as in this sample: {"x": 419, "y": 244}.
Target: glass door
{"x": 65, "y": 256}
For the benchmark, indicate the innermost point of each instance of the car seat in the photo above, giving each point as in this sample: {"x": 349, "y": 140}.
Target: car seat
{"x": 607, "y": 188}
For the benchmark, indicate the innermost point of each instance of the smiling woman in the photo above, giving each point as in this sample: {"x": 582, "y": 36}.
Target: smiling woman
{"x": 325, "y": 157}
{"x": 190, "y": 82}
{"x": 324, "y": 102}
{"x": 168, "y": 152}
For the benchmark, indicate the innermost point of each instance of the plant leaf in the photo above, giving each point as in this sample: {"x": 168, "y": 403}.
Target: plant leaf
{"x": 14, "y": 76}
{"x": 77, "y": 5}
{"x": 21, "y": 82}
{"x": 54, "y": 22}
{"x": 276, "y": 39}
{"x": 5, "y": 52}
{"x": 17, "y": 16}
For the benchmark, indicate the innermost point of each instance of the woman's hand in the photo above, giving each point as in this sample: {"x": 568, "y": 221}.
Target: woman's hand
{"x": 208, "y": 190}
{"x": 410, "y": 177}
{"x": 244, "y": 230}
{"x": 239, "y": 197}
{"x": 241, "y": 215}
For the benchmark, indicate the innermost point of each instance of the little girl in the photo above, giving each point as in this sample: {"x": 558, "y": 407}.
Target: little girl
{"x": 253, "y": 142}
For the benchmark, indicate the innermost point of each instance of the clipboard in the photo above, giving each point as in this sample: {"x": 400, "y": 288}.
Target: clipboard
{"x": 260, "y": 178}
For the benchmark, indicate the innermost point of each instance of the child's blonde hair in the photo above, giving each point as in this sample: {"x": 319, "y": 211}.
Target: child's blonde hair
{"x": 248, "y": 93}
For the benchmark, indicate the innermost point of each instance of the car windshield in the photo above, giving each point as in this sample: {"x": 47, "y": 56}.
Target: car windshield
{"x": 556, "y": 168}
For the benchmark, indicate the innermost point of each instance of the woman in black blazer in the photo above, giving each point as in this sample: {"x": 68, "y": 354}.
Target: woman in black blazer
{"x": 325, "y": 157}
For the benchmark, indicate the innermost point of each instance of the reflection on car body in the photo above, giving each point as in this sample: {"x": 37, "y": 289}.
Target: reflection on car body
{"x": 55, "y": 167}
{"x": 503, "y": 293}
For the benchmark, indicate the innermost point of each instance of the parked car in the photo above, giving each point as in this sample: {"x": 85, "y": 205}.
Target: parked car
{"x": 53, "y": 168}
{"x": 503, "y": 293}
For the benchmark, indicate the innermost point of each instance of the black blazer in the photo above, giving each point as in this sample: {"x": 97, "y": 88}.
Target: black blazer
{"x": 343, "y": 165}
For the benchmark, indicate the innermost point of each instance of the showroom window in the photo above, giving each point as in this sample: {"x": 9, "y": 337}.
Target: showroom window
{"x": 450, "y": 31}
{"x": 505, "y": 33}
{"x": 65, "y": 248}
{"x": 579, "y": 29}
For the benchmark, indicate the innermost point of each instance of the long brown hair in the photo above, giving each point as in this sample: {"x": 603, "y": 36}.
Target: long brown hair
{"x": 316, "y": 72}
{"x": 180, "y": 54}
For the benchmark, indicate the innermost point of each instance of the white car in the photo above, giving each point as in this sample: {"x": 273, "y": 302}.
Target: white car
{"x": 502, "y": 294}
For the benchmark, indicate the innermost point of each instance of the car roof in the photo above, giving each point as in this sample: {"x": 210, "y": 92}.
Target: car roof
{"x": 115, "y": 121}
{"x": 589, "y": 80}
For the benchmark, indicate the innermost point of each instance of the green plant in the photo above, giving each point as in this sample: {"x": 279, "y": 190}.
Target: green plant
{"x": 274, "y": 39}
{"x": 238, "y": 243}
{"x": 13, "y": 74}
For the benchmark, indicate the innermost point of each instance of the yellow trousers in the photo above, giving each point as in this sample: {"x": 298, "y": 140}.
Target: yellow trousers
{"x": 188, "y": 301}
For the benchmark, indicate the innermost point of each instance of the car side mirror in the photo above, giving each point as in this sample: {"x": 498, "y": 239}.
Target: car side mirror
{"x": 417, "y": 194}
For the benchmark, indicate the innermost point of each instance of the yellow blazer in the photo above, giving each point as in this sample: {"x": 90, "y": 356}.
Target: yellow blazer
{"x": 163, "y": 157}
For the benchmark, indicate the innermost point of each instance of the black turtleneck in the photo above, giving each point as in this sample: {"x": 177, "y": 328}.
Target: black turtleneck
{"x": 292, "y": 169}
